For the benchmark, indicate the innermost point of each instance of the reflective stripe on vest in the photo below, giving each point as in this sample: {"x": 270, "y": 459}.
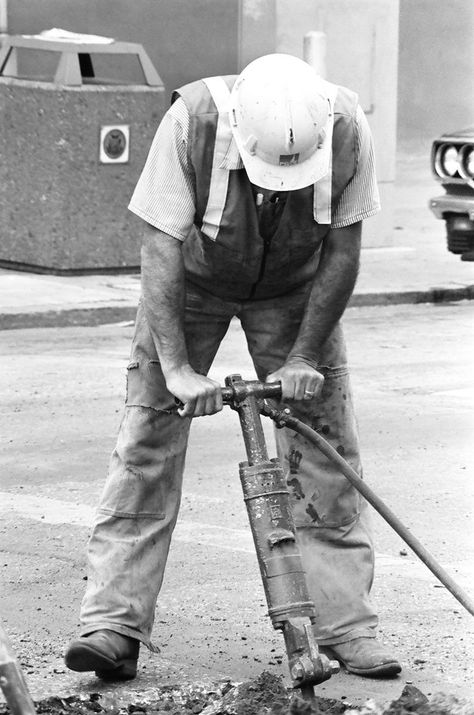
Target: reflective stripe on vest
{"x": 322, "y": 196}
{"x": 219, "y": 177}
{"x": 322, "y": 191}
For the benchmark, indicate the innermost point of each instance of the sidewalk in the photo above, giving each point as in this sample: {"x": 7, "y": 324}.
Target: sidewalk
{"x": 417, "y": 268}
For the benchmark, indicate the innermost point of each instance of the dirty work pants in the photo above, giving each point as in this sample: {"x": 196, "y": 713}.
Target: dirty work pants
{"x": 129, "y": 544}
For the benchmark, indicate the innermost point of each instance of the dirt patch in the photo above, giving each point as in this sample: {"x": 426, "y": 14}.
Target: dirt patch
{"x": 264, "y": 695}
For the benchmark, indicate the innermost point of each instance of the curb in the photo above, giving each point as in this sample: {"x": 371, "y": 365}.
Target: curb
{"x": 90, "y": 317}
{"x": 432, "y": 295}
{"x": 76, "y": 317}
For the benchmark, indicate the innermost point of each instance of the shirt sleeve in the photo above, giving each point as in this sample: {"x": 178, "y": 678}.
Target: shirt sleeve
{"x": 164, "y": 195}
{"x": 360, "y": 199}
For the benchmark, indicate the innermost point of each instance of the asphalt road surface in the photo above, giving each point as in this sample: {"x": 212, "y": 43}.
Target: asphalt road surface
{"x": 62, "y": 395}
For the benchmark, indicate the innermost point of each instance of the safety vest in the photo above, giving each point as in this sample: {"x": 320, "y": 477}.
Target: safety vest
{"x": 224, "y": 253}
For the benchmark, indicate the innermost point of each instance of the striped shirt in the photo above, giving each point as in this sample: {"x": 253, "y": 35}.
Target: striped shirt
{"x": 165, "y": 193}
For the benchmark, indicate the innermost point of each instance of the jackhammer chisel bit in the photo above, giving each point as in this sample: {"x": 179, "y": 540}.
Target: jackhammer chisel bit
{"x": 268, "y": 506}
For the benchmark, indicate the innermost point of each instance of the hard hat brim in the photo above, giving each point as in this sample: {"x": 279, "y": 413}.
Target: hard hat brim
{"x": 288, "y": 177}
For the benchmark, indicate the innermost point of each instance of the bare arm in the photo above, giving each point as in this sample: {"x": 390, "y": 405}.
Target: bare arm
{"x": 332, "y": 287}
{"x": 163, "y": 288}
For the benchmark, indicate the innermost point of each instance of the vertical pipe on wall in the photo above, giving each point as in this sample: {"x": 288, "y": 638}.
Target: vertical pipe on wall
{"x": 3, "y": 19}
{"x": 314, "y": 51}
{"x": 239, "y": 36}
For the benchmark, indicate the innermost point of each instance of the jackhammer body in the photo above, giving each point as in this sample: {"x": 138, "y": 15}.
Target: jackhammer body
{"x": 268, "y": 506}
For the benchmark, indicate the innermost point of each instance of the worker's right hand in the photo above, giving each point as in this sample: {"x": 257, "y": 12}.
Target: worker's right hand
{"x": 198, "y": 394}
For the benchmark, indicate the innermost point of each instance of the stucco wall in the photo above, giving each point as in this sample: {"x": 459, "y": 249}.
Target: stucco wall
{"x": 436, "y": 68}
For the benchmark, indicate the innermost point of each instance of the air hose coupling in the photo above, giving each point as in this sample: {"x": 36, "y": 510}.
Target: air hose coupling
{"x": 279, "y": 417}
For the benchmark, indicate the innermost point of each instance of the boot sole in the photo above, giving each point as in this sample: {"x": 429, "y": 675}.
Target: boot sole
{"x": 83, "y": 658}
{"x": 384, "y": 670}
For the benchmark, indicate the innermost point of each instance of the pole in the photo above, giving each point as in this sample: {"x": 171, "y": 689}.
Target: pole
{"x": 314, "y": 51}
{"x": 3, "y": 19}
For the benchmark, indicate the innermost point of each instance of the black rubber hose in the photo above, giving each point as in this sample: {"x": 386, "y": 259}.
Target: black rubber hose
{"x": 282, "y": 417}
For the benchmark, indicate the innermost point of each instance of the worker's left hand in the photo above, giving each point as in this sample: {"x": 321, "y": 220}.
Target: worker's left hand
{"x": 299, "y": 381}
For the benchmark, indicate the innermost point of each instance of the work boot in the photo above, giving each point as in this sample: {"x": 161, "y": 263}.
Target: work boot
{"x": 363, "y": 656}
{"x": 111, "y": 655}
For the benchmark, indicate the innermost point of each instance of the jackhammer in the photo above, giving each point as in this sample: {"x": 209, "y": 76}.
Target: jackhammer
{"x": 268, "y": 506}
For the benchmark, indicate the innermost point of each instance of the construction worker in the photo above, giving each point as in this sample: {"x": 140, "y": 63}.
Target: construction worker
{"x": 253, "y": 196}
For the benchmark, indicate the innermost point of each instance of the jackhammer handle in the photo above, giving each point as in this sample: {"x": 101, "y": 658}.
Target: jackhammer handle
{"x": 240, "y": 391}
{"x": 250, "y": 388}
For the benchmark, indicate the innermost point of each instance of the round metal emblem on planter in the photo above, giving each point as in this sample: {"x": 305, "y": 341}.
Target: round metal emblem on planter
{"x": 114, "y": 144}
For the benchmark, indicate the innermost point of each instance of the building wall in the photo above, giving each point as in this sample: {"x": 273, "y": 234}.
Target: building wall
{"x": 436, "y": 68}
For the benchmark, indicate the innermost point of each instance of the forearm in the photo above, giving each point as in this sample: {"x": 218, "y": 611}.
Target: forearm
{"x": 163, "y": 287}
{"x": 164, "y": 297}
{"x": 332, "y": 287}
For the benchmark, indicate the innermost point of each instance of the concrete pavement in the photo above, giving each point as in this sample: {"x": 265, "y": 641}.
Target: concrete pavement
{"x": 416, "y": 268}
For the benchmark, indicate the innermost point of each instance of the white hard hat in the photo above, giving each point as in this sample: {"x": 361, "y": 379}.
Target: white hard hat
{"x": 279, "y": 114}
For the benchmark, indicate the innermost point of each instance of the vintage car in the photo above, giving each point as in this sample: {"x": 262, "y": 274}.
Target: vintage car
{"x": 452, "y": 163}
